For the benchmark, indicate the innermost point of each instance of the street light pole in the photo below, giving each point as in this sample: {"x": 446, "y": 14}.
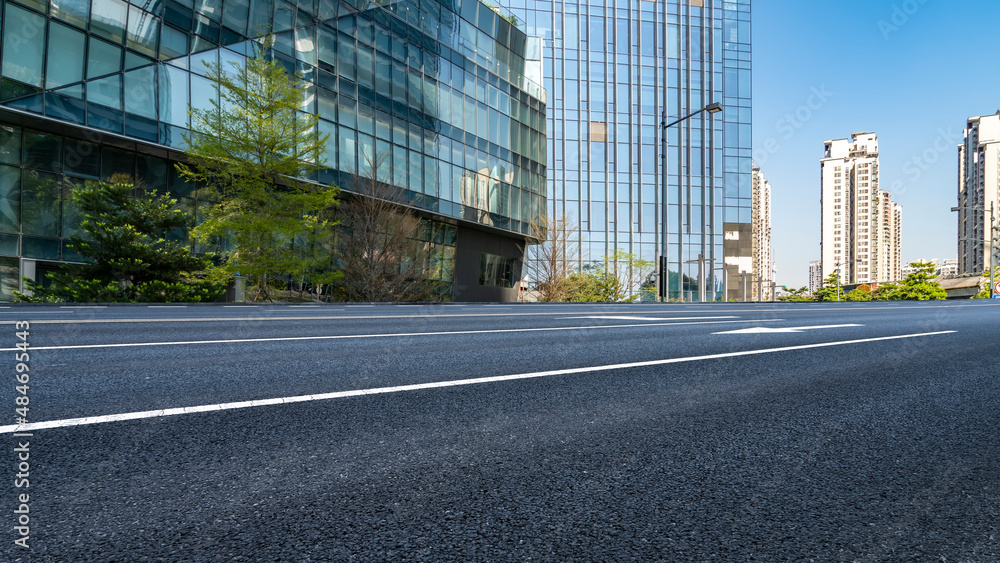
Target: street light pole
{"x": 993, "y": 241}
{"x": 711, "y": 108}
{"x": 838, "y": 280}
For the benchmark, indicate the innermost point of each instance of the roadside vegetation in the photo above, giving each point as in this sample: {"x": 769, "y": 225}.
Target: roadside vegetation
{"x": 918, "y": 286}
{"x": 126, "y": 251}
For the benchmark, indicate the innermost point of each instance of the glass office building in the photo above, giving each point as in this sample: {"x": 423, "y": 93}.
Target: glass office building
{"x": 612, "y": 68}
{"x": 444, "y": 89}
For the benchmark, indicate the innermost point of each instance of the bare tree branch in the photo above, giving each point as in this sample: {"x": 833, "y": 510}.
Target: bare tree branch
{"x": 554, "y": 255}
{"x": 381, "y": 246}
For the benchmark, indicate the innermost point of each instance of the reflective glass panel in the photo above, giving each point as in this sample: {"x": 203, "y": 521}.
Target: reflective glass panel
{"x": 211, "y": 8}
{"x": 173, "y": 43}
{"x": 202, "y": 93}
{"x": 81, "y": 157}
{"x": 65, "y": 61}
{"x": 173, "y": 96}
{"x": 106, "y": 91}
{"x": 42, "y": 151}
{"x": 103, "y": 58}
{"x": 235, "y": 15}
{"x": 305, "y": 45}
{"x": 10, "y": 199}
{"x": 140, "y": 94}
{"x": 107, "y": 19}
{"x": 41, "y": 205}
{"x": 76, "y": 12}
{"x": 143, "y": 30}
{"x": 43, "y": 248}
{"x": 22, "y": 45}
{"x": 10, "y": 144}
{"x": 10, "y": 277}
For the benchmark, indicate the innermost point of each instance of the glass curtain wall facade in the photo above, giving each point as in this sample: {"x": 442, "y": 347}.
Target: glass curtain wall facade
{"x": 444, "y": 90}
{"x": 611, "y": 68}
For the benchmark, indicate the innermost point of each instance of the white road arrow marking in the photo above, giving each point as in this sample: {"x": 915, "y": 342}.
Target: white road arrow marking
{"x": 766, "y": 330}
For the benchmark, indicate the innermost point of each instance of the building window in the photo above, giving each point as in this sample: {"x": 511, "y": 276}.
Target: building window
{"x": 497, "y": 271}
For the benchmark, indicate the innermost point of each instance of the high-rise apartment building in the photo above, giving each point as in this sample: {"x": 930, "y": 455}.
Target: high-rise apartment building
{"x": 815, "y": 276}
{"x": 612, "y": 70}
{"x": 861, "y": 225}
{"x": 447, "y": 94}
{"x": 978, "y": 194}
{"x": 761, "y": 220}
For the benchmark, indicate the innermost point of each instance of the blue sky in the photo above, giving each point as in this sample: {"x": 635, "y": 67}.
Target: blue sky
{"x": 912, "y": 71}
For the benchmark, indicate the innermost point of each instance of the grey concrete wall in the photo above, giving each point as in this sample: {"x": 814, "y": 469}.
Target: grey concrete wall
{"x": 470, "y": 246}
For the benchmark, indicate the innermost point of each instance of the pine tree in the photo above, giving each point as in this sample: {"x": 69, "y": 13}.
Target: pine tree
{"x": 128, "y": 258}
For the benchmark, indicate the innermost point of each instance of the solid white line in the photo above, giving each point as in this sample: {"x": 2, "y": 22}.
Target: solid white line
{"x": 348, "y": 336}
{"x": 29, "y": 313}
{"x": 608, "y": 318}
{"x": 768, "y": 330}
{"x": 420, "y": 386}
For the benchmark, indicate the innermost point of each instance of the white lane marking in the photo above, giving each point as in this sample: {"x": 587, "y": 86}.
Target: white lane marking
{"x": 768, "y": 330}
{"x": 166, "y": 306}
{"x": 652, "y": 318}
{"x": 84, "y": 307}
{"x": 349, "y": 336}
{"x": 359, "y": 305}
{"x": 28, "y": 313}
{"x": 240, "y": 306}
{"x": 302, "y": 306}
{"x": 420, "y": 386}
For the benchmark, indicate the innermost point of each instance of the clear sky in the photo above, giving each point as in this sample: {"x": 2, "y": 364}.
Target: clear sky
{"x": 912, "y": 71}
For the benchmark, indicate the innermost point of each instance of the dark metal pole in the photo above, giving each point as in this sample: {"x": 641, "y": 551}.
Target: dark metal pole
{"x": 701, "y": 278}
{"x": 664, "y": 267}
{"x": 993, "y": 240}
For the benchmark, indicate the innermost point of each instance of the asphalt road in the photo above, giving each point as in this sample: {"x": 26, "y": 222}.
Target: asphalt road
{"x": 504, "y": 433}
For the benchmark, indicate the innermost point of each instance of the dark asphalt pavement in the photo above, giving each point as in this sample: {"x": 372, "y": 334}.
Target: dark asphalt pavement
{"x": 854, "y": 445}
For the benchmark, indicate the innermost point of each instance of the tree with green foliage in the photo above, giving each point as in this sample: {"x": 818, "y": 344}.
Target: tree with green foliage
{"x": 918, "y": 285}
{"x": 128, "y": 258}
{"x": 797, "y": 295}
{"x": 251, "y": 148}
{"x": 888, "y": 291}
{"x": 831, "y": 290}
{"x": 860, "y": 293}
{"x": 585, "y": 287}
{"x": 617, "y": 278}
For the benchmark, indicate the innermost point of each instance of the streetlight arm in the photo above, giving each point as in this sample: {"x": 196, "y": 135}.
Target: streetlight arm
{"x": 710, "y": 108}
